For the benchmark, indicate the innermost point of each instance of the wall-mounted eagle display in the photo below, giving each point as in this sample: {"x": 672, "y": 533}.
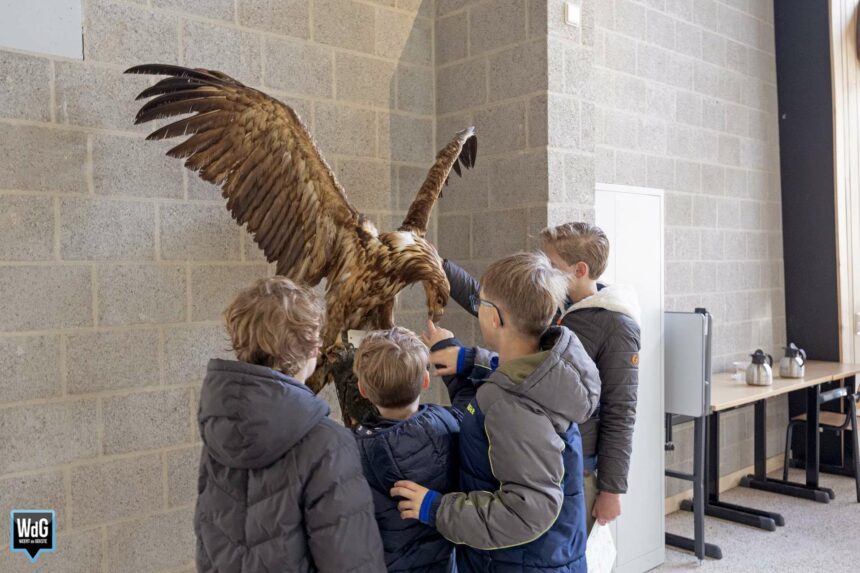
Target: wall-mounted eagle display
{"x": 275, "y": 181}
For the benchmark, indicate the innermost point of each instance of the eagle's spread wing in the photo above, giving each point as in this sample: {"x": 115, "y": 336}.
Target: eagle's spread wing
{"x": 263, "y": 158}
{"x": 462, "y": 149}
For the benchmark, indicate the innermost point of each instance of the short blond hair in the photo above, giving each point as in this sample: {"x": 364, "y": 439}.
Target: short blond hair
{"x": 528, "y": 288}
{"x": 390, "y": 366}
{"x": 575, "y": 242}
{"x": 275, "y": 323}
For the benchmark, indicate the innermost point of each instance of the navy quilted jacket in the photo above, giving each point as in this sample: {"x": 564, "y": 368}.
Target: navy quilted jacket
{"x": 422, "y": 448}
{"x": 280, "y": 485}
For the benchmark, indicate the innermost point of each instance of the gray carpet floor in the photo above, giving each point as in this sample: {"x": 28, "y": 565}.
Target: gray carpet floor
{"x": 816, "y": 536}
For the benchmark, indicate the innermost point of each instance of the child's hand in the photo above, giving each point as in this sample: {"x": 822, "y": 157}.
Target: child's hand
{"x": 606, "y": 508}
{"x": 445, "y": 361}
{"x": 413, "y": 495}
{"x": 434, "y": 334}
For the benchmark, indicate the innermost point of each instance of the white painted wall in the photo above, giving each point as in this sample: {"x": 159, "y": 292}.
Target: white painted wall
{"x": 43, "y": 26}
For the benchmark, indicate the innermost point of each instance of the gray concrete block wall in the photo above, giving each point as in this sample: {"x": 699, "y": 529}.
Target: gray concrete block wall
{"x": 705, "y": 130}
{"x": 115, "y": 263}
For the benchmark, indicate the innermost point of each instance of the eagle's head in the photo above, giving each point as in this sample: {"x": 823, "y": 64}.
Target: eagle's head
{"x": 416, "y": 260}
{"x": 437, "y": 292}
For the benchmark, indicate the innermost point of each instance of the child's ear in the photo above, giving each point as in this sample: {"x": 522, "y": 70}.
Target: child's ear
{"x": 361, "y": 390}
{"x": 425, "y": 383}
{"x": 581, "y": 270}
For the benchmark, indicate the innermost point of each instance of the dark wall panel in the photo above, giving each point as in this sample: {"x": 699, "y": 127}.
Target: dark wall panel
{"x": 806, "y": 167}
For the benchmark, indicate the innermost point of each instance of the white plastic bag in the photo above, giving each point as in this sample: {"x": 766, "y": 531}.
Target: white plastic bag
{"x": 600, "y": 550}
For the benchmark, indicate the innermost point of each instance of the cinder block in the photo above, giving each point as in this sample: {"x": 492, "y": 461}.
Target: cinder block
{"x": 460, "y": 86}
{"x": 365, "y": 80}
{"x": 518, "y": 181}
{"x": 579, "y": 179}
{"x": 345, "y": 24}
{"x": 661, "y": 172}
{"x": 135, "y": 294}
{"x": 105, "y": 491}
{"x": 735, "y": 245}
{"x": 187, "y": 350}
{"x": 298, "y": 67}
{"x": 345, "y": 130}
{"x": 135, "y": 168}
{"x": 630, "y": 19}
{"x": 736, "y": 182}
{"x": 451, "y": 38}
{"x": 182, "y": 468}
{"x": 146, "y": 420}
{"x": 619, "y": 129}
{"x": 660, "y": 29}
{"x": 283, "y": 17}
{"x": 110, "y": 360}
{"x": 730, "y": 150}
{"x": 518, "y": 71}
{"x": 502, "y": 232}
{"x": 620, "y": 53}
{"x": 578, "y": 72}
{"x": 713, "y": 179}
{"x": 406, "y": 138}
{"x": 679, "y": 209}
{"x": 495, "y": 24}
{"x": 631, "y": 168}
{"x": 404, "y": 38}
{"x": 409, "y": 182}
{"x": 712, "y": 244}
{"x": 454, "y": 236}
{"x": 35, "y": 491}
{"x": 105, "y": 229}
{"x": 652, "y": 135}
{"x": 679, "y": 278}
{"x": 25, "y": 91}
{"x": 213, "y": 287}
{"x": 42, "y": 159}
{"x": 704, "y": 12}
{"x": 198, "y": 232}
{"x": 45, "y": 297}
{"x": 713, "y": 48}
{"x": 688, "y": 108}
{"x": 714, "y": 114}
{"x": 415, "y": 89}
{"x": 444, "y": 7}
{"x": 234, "y": 52}
{"x": 92, "y": 96}
{"x": 686, "y": 247}
{"x": 660, "y": 100}
{"x": 367, "y": 184}
{"x": 32, "y": 367}
{"x": 689, "y": 39}
{"x": 704, "y": 211}
{"x": 687, "y": 176}
{"x": 47, "y": 435}
{"x": 128, "y": 35}
{"x": 503, "y": 127}
{"x": 78, "y": 552}
{"x": 728, "y": 214}
{"x": 26, "y": 228}
{"x": 215, "y": 9}
{"x": 202, "y": 190}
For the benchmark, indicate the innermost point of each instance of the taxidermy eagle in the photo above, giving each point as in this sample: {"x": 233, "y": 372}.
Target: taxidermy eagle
{"x": 276, "y": 182}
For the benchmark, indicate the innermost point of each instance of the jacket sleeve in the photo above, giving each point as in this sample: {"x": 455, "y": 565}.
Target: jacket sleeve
{"x": 586, "y": 382}
{"x": 463, "y": 285}
{"x": 339, "y": 513}
{"x": 618, "y": 363}
{"x": 526, "y": 458}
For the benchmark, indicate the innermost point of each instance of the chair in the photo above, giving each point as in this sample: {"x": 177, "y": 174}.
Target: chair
{"x": 832, "y": 421}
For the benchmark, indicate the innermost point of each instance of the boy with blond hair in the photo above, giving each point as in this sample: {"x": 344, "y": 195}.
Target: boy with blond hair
{"x": 271, "y": 456}
{"x": 521, "y": 504}
{"x": 405, "y": 441}
{"x": 606, "y": 320}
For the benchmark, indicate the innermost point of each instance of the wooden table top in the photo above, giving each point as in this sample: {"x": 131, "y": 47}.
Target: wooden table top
{"x": 727, "y": 393}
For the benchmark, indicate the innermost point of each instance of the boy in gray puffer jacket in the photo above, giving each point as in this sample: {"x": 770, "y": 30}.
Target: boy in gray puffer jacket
{"x": 281, "y": 486}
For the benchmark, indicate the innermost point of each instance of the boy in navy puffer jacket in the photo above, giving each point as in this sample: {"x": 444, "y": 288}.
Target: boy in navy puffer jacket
{"x": 405, "y": 441}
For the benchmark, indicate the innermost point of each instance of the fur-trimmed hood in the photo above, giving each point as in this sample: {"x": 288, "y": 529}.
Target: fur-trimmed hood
{"x": 617, "y": 298}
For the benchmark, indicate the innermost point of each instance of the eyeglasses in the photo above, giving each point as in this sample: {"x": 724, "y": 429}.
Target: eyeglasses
{"x": 478, "y": 301}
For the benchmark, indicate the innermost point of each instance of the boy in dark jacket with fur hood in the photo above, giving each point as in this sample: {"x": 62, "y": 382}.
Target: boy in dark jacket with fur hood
{"x": 280, "y": 487}
{"x": 405, "y": 441}
{"x": 606, "y": 320}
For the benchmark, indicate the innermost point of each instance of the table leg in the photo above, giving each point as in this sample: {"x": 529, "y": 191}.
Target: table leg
{"x": 715, "y": 508}
{"x": 809, "y": 490}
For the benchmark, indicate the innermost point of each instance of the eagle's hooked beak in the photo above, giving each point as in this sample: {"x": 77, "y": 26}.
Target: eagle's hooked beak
{"x": 436, "y": 301}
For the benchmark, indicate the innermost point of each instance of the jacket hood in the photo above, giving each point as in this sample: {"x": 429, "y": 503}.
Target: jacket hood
{"x": 617, "y": 298}
{"x": 249, "y": 415}
{"x": 549, "y": 385}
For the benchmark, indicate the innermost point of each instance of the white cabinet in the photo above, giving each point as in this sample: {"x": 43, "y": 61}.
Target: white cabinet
{"x": 632, "y": 218}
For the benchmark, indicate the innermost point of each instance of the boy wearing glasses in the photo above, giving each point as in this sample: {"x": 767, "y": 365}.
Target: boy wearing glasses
{"x": 606, "y": 319}
{"x": 521, "y": 466}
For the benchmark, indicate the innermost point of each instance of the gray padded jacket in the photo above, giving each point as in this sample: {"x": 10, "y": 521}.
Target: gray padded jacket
{"x": 607, "y": 324}
{"x": 280, "y": 486}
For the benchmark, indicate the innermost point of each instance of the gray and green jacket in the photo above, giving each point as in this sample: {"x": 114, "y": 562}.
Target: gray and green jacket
{"x": 607, "y": 323}
{"x": 521, "y": 466}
